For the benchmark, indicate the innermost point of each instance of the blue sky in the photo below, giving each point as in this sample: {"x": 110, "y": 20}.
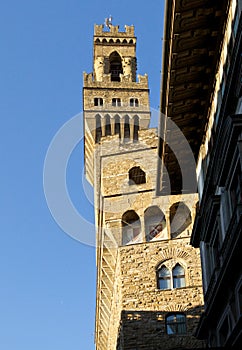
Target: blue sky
{"x": 47, "y": 289}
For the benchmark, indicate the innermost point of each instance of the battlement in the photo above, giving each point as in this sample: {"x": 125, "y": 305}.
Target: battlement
{"x": 114, "y": 31}
{"x": 88, "y": 81}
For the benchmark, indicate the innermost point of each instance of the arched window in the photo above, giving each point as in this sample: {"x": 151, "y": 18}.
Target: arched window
{"x": 164, "y": 278}
{"x": 116, "y": 102}
{"x": 130, "y": 227}
{"x": 117, "y": 129}
{"x": 131, "y": 41}
{"x": 136, "y": 128}
{"x": 115, "y": 66}
{"x": 107, "y": 125}
{"x": 126, "y": 129}
{"x": 134, "y": 102}
{"x": 176, "y": 323}
{"x": 124, "y": 41}
{"x": 136, "y": 176}
{"x": 117, "y": 41}
{"x": 98, "y": 101}
{"x": 111, "y": 40}
{"x": 178, "y": 276}
{"x": 180, "y": 218}
{"x": 98, "y": 133}
{"x": 155, "y": 222}
{"x": 97, "y": 40}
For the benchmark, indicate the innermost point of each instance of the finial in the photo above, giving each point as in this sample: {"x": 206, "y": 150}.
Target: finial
{"x": 108, "y": 21}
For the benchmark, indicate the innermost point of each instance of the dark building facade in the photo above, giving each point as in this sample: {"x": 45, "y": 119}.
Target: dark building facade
{"x": 202, "y": 94}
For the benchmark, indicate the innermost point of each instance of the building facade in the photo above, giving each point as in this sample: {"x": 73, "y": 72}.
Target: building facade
{"x": 149, "y": 286}
{"x": 202, "y": 93}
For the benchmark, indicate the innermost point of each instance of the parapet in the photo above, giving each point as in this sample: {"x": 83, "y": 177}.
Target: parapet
{"x": 114, "y": 31}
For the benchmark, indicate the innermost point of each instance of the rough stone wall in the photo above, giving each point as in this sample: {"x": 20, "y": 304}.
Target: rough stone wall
{"x": 145, "y": 307}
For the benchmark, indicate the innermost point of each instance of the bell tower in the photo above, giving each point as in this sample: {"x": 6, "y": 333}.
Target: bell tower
{"x": 149, "y": 287}
{"x": 115, "y": 100}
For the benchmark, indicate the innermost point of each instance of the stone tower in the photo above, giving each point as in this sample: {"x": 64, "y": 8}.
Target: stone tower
{"x": 149, "y": 288}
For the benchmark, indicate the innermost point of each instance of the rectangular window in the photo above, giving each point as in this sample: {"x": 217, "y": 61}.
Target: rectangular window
{"x": 116, "y": 102}
{"x": 98, "y": 101}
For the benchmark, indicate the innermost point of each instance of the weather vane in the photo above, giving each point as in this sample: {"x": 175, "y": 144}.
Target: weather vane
{"x": 108, "y": 21}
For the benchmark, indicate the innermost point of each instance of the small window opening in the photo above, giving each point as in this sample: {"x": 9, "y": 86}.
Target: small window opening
{"x": 178, "y": 276}
{"x": 98, "y": 133}
{"x": 136, "y": 176}
{"x": 116, "y": 102}
{"x": 98, "y": 101}
{"x": 176, "y": 323}
{"x": 164, "y": 278}
{"x": 134, "y": 102}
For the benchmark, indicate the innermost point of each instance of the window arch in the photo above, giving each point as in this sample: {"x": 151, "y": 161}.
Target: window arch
{"x": 176, "y": 323}
{"x": 155, "y": 222}
{"x": 180, "y": 218}
{"x": 170, "y": 275}
{"x": 136, "y": 128}
{"x": 131, "y": 227}
{"x": 98, "y": 101}
{"x": 131, "y": 41}
{"x": 124, "y": 41}
{"x": 164, "y": 278}
{"x": 136, "y": 176}
{"x": 98, "y": 130}
{"x": 107, "y": 125}
{"x": 111, "y": 40}
{"x": 117, "y": 129}
{"x": 126, "y": 129}
{"x": 178, "y": 276}
{"x": 134, "y": 102}
{"x": 115, "y": 66}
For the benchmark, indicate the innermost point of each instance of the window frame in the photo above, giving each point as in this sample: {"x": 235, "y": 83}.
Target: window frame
{"x": 116, "y": 102}
{"x": 98, "y": 101}
{"x": 176, "y": 324}
{"x": 170, "y": 269}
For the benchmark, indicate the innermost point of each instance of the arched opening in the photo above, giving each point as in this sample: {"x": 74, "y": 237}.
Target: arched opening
{"x": 134, "y": 102}
{"x": 111, "y": 40}
{"x": 124, "y": 41}
{"x": 117, "y": 129}
{"x": 136, "y": 128}
{"x": 126, "y": 129}
{"x": 107, "y": 125}
{"x": 97, "y": 40}
{"x": 178, "y": 276}
{"x": 117, "y": 41}
{"x": 131, "y": 41}
{"x": 115, "y": 66}
{"x": 163, "y": 278}
{"x": 136, "y": 176}
{"x": 155, "y": 222}
{"x": 98, "y": 133}
{"x": 180, "y": 218}
{"x": 130, "y": 227}
{"x": 104, "y": 40}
